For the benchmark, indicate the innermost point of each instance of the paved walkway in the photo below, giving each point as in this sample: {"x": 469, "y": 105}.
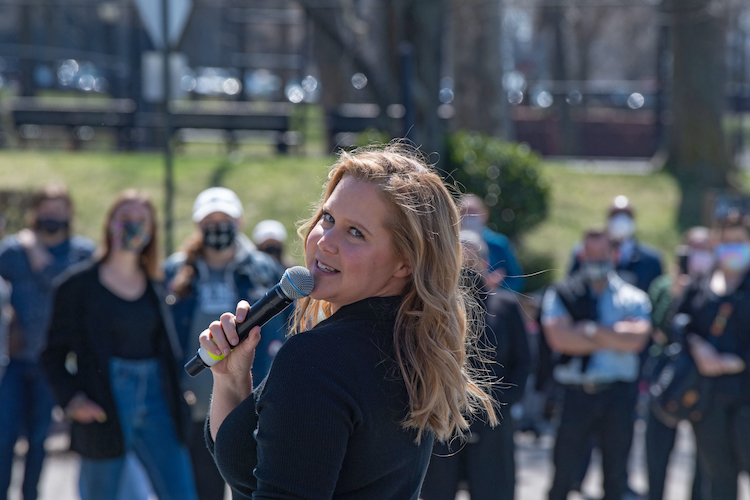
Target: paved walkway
{"x": 60, "y": 472}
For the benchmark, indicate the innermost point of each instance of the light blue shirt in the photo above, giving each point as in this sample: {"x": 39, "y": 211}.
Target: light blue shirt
{"x": 619, "y": 301}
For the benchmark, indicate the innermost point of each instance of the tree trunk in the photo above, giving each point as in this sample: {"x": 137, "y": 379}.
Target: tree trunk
{"x": 696, "y": 150}
{"x": 424, "y": 30}
{"x": 370, "y": 45}
{"x": 477, "y": 67}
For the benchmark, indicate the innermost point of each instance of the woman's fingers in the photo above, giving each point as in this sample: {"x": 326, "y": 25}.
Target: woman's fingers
{"x": 229, "y": 325}
{"x": 243, "y": 307}
{"x": 219, "y": 338}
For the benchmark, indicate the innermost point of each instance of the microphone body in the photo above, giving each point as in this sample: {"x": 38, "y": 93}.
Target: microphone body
{"x": 294, "y": 285}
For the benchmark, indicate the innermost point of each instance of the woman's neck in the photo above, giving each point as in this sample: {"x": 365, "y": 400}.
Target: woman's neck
{"x": 124, "y": 262}
{"x": 123, "y": 275}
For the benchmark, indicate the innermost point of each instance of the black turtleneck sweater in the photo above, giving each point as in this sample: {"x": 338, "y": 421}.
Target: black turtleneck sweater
{"x": 326, "y": 422}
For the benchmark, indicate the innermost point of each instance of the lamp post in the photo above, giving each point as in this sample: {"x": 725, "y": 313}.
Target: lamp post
{"x": 167, "y": 121}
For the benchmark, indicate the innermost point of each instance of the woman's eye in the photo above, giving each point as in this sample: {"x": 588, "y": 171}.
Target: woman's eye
{"x": 326, "y": 217}
{"x": 356, "y": 233}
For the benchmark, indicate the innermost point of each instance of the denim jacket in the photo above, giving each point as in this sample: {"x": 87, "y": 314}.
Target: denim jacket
{"x": 32, "y": 292}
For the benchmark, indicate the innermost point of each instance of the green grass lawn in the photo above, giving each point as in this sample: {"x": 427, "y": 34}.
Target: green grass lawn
{"x": 580, "y": 200}
{"x": 285, "y": 187}
{"x": 279, "y": 187}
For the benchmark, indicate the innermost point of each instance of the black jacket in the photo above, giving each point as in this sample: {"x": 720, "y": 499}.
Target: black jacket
{"x": 732, "y": 335}
{"x": 509, "y": 344}
{"x": 73, "y": 330}
{"x": 576, "y": 296}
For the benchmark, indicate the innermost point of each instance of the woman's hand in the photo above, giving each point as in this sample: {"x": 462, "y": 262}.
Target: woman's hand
{"x": 39, "y": 257}
{"x": 83, "y": 410}
{"x": 221, "y": 338}
{"x": 233, "y": 381}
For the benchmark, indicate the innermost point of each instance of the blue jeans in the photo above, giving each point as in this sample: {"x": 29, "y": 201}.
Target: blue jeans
{"x": 25, "y": 409}
{"x": 148, "y": 430}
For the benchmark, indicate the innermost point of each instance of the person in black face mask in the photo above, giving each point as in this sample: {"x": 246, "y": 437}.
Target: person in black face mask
{"x": 270, "y": 236}
{"x": 30, "y": 261}
{"x": 217, "y": 267}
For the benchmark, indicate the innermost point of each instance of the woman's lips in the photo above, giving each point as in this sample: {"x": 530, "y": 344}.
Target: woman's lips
{"x": 325, "y": 268}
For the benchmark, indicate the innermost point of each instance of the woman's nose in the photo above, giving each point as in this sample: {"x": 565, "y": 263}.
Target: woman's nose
{"x": 328, "y": 241}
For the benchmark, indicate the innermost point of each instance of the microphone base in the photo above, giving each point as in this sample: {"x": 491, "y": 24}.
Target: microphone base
{"x": 195, "y": 366}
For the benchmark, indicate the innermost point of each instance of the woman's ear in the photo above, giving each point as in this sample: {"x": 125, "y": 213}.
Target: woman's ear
{"x": 403, "y": 271}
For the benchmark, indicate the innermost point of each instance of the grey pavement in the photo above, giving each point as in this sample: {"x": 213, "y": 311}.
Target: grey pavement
{"x": 533, "y": 458}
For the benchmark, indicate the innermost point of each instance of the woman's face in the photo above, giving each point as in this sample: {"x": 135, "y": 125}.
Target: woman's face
{"x": 349, "y": 250}
{"x": 131, "y": 226}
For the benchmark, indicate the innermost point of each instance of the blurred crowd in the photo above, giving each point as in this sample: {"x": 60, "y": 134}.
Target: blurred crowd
{"x": 102, "y": 332}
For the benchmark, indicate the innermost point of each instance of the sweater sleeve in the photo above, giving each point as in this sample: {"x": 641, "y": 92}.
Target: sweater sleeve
{"x": 306, "y": 415}
{"x": 520, "y": 354}
{"x": 63, "y": 330}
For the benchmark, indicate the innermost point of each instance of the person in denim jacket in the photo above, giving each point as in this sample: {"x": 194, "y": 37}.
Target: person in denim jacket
{"x": 218, "y": 267}
{"x": 30, "y": 261}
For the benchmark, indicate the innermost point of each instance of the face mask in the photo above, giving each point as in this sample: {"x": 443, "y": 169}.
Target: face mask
{"x": 472, "y": 222}
{"x": 621, "y": 227}
{"x": 700, "y": 262}
{"x": 220, "y": 236}
{"x": 272, "y": 250}
{"x": 596, "y": 271}
{"x": 132, "y": 235}
{"x": 52, "y": 226}
{"x": 733, "y": 256}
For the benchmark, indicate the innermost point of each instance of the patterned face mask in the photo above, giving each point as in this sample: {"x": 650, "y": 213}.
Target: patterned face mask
{"x": 733, "y": 256}
{"x": 219, "y": 236}
{"x": 130, "y": 236}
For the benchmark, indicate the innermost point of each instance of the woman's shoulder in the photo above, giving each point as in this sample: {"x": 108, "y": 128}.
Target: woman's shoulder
{"x": 80, "y": 273}
{"x": 330, "y": 346}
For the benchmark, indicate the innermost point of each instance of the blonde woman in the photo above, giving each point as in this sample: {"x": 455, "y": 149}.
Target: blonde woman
{"x": 353, "y": 402}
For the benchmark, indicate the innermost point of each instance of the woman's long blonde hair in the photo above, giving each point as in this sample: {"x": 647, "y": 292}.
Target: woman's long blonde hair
{"x": 435, "y": 337}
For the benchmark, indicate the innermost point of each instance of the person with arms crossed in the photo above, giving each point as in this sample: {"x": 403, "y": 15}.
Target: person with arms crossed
{"x": 717, "y": 335}
{"x": 598, "y": 324}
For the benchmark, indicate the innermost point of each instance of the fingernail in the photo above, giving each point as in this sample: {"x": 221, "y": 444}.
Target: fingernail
{"x": 235, "y": 341}
{"x": 227, "y": 351}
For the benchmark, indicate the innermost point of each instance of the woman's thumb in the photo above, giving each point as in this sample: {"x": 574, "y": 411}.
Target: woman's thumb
{"x": 247, "y": 346}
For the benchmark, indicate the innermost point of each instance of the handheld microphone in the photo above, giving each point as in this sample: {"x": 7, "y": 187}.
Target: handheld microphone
{"x": 296, "y": 283}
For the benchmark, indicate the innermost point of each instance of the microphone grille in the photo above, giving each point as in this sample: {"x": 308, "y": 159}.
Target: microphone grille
{"x": 297, "y": 282}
